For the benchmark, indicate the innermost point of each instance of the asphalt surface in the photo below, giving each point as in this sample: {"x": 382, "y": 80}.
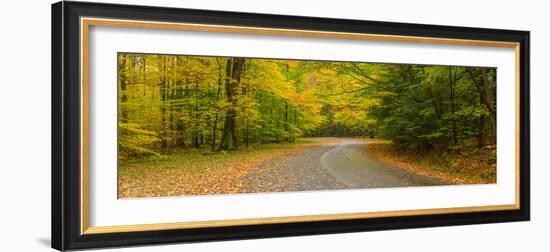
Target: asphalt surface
{"x": 336, "y": 164}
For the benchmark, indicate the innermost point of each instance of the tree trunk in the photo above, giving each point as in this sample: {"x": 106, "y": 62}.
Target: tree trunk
{"x": 454, "y": 130}
{"x": 234, "y": 69}
{"x": 245, "y": 90}
{"x": 286, "y": 120}
{"x": 171, "y": 109}
{"x": 489, "y": 100}
{"x": 481, "y": 83}
{"x": 215, "y": 126}
{"x": 123, "y": 90}
{"x": 197, "y": 142}
{"x": 481, "y": 136}
{"x": 162, "y": 90}
{"x": 144, "y": 58}
{"x": 437, "y": 108}
{"x": 180, "y": 129}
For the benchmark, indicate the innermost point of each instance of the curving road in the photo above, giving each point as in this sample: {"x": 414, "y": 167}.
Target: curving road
{"x": 335, "y": 164}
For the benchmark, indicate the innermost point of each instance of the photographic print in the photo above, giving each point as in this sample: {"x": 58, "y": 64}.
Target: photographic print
{"x": 200, "y": 125}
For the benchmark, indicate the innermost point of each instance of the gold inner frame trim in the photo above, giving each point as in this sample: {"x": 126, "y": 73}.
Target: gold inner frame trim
{"x": 85, "y": 24}
{"x": 288, "y": 219}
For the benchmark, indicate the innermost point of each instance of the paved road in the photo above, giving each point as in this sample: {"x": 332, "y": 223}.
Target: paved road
{"x": 337, "y": 164}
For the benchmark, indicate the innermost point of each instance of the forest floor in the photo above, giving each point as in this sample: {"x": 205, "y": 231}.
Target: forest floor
{"x": 197, "y": 171}
{"x": 310, "y": 164}
{"x": 468, "y": 166}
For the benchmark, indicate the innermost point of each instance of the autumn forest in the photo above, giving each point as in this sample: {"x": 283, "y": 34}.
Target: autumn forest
{"x": 187, "y": 114}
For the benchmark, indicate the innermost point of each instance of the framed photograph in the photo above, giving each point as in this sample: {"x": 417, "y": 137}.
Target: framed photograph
{"x": 181, "y": 125}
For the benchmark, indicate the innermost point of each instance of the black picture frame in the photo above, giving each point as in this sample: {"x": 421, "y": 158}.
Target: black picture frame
{"x": 66, "y": 156}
